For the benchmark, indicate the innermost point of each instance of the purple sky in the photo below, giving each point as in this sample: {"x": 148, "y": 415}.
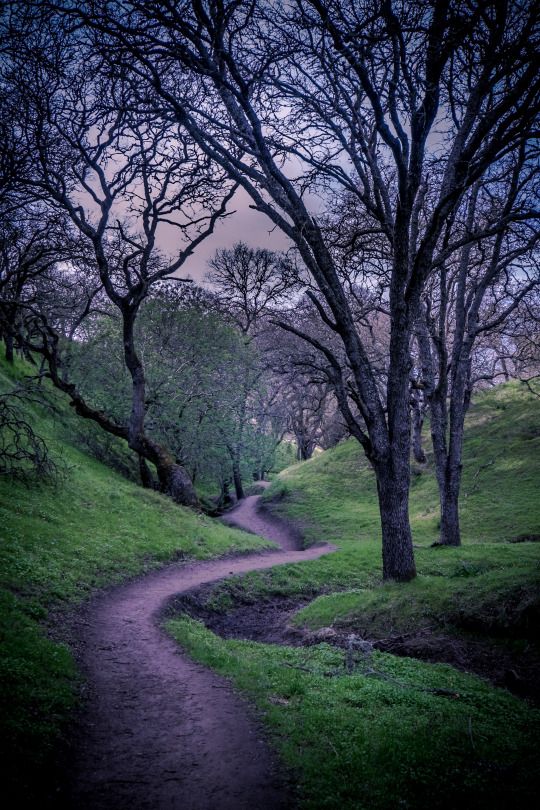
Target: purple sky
{"x": 245, "y": 225}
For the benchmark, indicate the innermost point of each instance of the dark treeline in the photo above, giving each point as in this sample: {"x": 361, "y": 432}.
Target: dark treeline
{"x": 413, "y": 126}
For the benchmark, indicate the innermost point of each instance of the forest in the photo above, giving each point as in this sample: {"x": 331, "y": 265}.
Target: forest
{"x": 269, "y": 403}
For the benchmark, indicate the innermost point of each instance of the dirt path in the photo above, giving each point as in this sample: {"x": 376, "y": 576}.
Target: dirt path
{"x": 248, "y": 515}
{"x": 160, "y": 731}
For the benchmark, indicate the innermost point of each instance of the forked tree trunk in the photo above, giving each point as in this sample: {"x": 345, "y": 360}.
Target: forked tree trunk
{"x": 447, "y": 451}
{"x": 417, "y": 425}
{"x": 450, "y": 529}
{"x": 305, "y": 448}
{"x": 459, "y": 405}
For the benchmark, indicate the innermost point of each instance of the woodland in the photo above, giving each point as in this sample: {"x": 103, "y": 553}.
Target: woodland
{"x": 360, "y": 386}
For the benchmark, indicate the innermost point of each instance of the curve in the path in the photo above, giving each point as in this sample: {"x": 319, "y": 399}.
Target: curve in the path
{"x": 249, "y": 514}
{"x": 160, "y": 731}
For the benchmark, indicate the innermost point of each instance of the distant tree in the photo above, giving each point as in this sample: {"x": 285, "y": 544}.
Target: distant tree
{"x": 254, "y": 286}
{"x": 516, "y": 341}
{"x": 195, "y": 364}
{"x": 250, "y": 283}
{"x": 268, "y": 424}
{"x": 301, "y": 381}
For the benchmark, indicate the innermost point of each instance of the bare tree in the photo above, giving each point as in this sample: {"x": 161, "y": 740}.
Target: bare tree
{"x": 25, "y": 253}
{"x": 394, "y": 104}
{"x": 300, "y": 378}
{"x": 249, "y": 284}
{"x": 24, "y": 453}
{"x": 386, "y": 102}
{"x": 516, "y": 341}
{"x": 479, "y": 287}
{"x": 121, "y": 176}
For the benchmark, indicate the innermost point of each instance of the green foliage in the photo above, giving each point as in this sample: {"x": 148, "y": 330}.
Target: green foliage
{"x": 58, "y": 544}
{"x": 37, "y": 678}
{"x": 394, "y": 733}
{"x": 285, "y": 456}
{"x": 203, "y": 382}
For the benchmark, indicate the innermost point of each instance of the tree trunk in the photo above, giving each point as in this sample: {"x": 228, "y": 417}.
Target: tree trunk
{"x": 173, "y": 479}
{"x": 145, "y": 473}
{"x": 447, "y": 454}
{"x": 392, "y": 463}
{"x": 237, "y": 478}
{"x": 459, "y": 404}
{"x": 175, "y": 482}
{"x": 8, "y": 339}
{"x": 417, "y": 424}
{"x": 224, "y": 495}
{"x": 450, "y": 530}
{"x": 304, "y": 447}
{"x": 397, "y": 548}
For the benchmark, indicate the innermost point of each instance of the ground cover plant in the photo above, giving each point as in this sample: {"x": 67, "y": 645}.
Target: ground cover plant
{"x": 464, "y": 745}
{"x": 59, "y": 542}
{"x": 332, "y": 498}
{"x": 393, "y": 733}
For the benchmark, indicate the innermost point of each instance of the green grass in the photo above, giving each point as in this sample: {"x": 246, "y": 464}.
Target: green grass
{"x": 393, "y": 733}
{"x": 501, "y": 475}
{"x": 488, "y": 580}
{"x": 58, "y": 543}
{"x": 380, "y": 737}
{"x": 383, "y": 740}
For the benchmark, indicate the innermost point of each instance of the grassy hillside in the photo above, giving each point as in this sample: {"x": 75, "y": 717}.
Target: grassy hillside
{"x": 491, "y": 580}
{"x": 58, "y": 542}
{"x": 382, "y": 731}
{"x": 501, "y": 476}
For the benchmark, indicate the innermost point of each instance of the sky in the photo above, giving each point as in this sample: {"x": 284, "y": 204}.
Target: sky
{"x": 245, "y": 225}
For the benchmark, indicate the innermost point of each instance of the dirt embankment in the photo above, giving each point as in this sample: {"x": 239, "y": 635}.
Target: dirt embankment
{"x": 271, "y": 622}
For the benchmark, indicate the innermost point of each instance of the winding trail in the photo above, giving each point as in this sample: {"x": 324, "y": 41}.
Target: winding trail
{"x": 159, "y": 731}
